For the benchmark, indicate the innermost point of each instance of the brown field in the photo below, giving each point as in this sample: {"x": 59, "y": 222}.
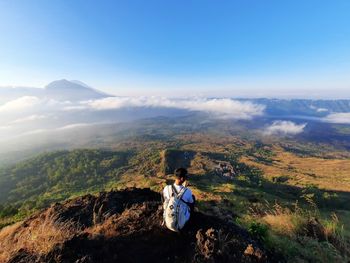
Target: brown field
{"x": 327, "y": 174}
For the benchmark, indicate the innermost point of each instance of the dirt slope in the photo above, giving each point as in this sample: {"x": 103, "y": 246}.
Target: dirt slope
{"x": 124, "y": 226}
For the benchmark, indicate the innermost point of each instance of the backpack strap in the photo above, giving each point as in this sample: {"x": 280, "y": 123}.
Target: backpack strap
{"x": 170, "y": 191}
{"x": 174, "y": 189}
{"x": 180, "y": 194}
{"x": 189, "y": 204}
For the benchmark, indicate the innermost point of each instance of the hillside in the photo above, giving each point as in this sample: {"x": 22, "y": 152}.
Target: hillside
{"x": 52, "y": 177}
{"x": 124, "y": 226}
{"x": 292, "y": 197}
{"x": 303, "y": 107}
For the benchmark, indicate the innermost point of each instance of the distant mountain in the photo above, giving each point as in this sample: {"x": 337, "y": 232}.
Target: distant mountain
{"x": 72, "y": 90}
{"x": 59, "y": 90}
{"x": 302, "y": 107}
{"x": 81, "y": 83}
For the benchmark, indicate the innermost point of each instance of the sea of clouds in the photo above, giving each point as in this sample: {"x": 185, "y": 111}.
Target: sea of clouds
{"x": 340, "y": 118}
{"x": 30, "y": 114}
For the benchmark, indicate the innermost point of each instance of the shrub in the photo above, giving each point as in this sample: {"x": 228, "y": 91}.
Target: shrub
{"x": 38, "y": 238}
{"x": 258, "y": 230}
{"x": 312, "y": 238}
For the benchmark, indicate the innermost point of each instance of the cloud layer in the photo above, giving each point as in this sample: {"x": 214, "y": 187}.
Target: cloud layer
{"x": 225, "y": 108}
{"x": 222, "y": 108}
{"x": 341, "y": 118}
{"x": 29, "y": 113}
{"x": 284, "y": 128}
{"x": 29, "y": 118}
{"x": 19, "y": 104}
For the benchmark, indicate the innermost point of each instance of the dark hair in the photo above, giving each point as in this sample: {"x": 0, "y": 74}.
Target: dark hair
{"x": 181, "y": 172}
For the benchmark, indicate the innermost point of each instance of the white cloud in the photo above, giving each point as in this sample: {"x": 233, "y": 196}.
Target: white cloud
{"x": 70, "y": 126}
{"x": 5, "y": 128}
{"x": 36, "y": 131}
{"x": 62, "y": 128}
{"x": 322, "y": 110}
{"x": 224, "y": 108}
{"x": 318, "y": 109}
{"x": 33, "y": 117}
{"x": 74, "y": 107}
{"x": 285, "y": 128}
{"x": 343, "y": 117}
{"x": 73, "y": 126}
{"x": 20, "y": 104}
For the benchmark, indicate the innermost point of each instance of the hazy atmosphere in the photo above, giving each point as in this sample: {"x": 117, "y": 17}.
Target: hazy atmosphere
{"x": 174, "y": 131}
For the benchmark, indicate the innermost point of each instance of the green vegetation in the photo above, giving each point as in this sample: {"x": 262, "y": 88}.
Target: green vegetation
{"x": 305, "y": 183}
{"x": 174, "y": 158}
{"x": 258, "y": 230}
{"x": 52, "y": 177}
{"x": 299, "y": 234}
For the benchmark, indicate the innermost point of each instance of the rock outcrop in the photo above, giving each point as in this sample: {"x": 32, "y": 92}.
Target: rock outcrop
{"x": 124, "y": 226}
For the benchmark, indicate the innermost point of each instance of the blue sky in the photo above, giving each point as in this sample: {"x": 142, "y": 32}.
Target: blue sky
{"x": 223, "y": 48}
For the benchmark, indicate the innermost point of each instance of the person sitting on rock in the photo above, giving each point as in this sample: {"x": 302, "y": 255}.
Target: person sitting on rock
{"x": 178, "y": 202}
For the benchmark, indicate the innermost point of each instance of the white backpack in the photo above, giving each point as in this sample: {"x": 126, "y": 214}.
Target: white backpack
{"x": 176, "y": 211}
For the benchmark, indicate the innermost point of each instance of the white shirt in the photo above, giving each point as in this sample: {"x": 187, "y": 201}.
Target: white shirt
{"x": 187, "y": 196}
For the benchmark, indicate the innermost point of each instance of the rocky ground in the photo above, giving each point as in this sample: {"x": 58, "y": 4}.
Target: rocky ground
{"x": 124, "y": 226}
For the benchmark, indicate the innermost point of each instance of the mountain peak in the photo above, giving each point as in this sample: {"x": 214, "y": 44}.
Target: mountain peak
{"x": 80, "y": 83}
{"x": 65, "y": 84}
{"x": 72, "y": 90}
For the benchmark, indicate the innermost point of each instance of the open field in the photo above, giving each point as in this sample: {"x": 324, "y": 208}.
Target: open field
{"x": 327, "y": 174}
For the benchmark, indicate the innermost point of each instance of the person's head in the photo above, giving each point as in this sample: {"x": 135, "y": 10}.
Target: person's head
{"x": 181, "y": 175}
